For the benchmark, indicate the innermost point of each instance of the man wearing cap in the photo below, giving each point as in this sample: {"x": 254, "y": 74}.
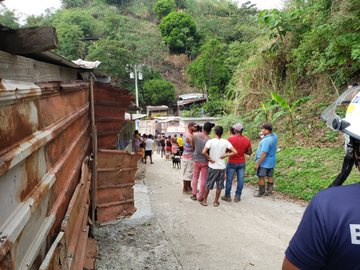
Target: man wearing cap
{"x": 200, "y": 162}
{"x": 187, "y": 157}
{"x": 236, "y": 163}
{"x": 265, "y": 160}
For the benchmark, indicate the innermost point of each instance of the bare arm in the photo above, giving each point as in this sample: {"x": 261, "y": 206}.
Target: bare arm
{"x": 261, "y": 159}
{"x": 232, "y": 152}
{"x": 287, "y": 265}
{"x": 192, "y": 142}
{"x": 205, "y": 153}
{"x": 249, "y": 151}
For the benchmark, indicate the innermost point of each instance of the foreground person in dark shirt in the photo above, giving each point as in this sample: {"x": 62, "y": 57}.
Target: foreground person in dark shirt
{"x": 328, "y": 236}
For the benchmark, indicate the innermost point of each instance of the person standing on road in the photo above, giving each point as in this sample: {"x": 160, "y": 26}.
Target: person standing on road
{"x": 149, "y": 142}
{"x": 187, "y": 158}
{"x": 217, "y": 148}
{"x": 180, "y": 142}
{"x": 174, "y": 145}
{"x": 328, "y": 236}
{"x": 162, "y": 145}
{"x": 236, "y": 163}
{"x": 137, "y": 139}
{"x": 265, "y": 160}
{"x": 200, "y": 162}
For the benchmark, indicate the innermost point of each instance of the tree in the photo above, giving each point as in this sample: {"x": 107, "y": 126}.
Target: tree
{"x": 113, "y": 55}
{"x": 69, "y": 39}
{"x": 178, "y": 31}
{"x": 8, "y": 18}
{"x": 163, "y": 7}
{"x": 209, "y": 69}
{"x": 74, "y": 3}
{"x": 72, "y": 25}
{"x": 158, "y": 92}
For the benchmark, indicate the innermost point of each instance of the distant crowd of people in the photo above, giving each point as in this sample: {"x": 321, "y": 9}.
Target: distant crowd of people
{"x": 203, "y": 159}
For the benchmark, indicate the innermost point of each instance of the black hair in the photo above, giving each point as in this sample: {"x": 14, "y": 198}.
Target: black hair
{"x": 219, "y": 130}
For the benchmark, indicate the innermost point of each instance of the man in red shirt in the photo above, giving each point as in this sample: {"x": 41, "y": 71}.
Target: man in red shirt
{"x": 236, "y": 163}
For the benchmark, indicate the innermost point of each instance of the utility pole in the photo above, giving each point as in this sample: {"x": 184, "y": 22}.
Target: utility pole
{"x": 135, "y": 73}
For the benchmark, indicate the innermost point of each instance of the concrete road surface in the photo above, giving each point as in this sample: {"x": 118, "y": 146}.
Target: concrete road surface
{"x": 170, "y": 231}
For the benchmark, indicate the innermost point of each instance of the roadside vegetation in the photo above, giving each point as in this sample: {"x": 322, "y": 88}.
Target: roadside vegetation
{"x": 279, "y": 66}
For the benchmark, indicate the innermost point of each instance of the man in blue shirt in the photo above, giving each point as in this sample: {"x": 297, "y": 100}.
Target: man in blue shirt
{"x": 265, "y": 160}
{"x": 328, "y": 236}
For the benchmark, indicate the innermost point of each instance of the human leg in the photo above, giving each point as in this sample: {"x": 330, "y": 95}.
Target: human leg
{"x": 240, "y": 170}
{"x": 187, "y": 175}
{"x": 270, "y": 182}
{"x": 203, "y": 176}
{"x": 261, "y": 173}
{"x": 195, "y": 178}
{"x": 219, "y": 185}
{"x": 204, "y": 199}
{"x": 217, "y": 196}
{"x": 230, "y": 170}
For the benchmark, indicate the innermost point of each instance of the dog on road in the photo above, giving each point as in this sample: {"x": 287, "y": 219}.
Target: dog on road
{"x": 176, "y": 161}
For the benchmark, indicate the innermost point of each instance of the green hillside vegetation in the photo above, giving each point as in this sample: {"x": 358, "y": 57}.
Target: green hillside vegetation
{"x": 280, "y": 66}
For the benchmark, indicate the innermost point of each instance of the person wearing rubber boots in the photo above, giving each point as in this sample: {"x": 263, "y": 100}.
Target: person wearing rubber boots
{"x": 328, "y": 236}
{"x": 265, "y": 160}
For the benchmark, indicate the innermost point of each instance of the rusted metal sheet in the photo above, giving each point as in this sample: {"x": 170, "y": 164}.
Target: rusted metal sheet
{"x": 44, "y": 136}
{"x": 115, "y": 180}
{"x": 69, "y": 249}
{"x": 111, "y": 104}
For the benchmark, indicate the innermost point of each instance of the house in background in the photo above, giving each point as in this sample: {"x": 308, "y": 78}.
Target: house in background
{"x": 187, "y": 100}
{"x": 156, "y": 111}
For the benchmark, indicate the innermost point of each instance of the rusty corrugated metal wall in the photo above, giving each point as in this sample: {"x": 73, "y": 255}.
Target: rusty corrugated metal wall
{"x": 45, "y": 140}
{"x": 44, "y": 136}
{"x": 115, "y": 169}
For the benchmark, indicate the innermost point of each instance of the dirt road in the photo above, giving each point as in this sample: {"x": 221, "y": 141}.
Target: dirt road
{"x": 170, "y": 231}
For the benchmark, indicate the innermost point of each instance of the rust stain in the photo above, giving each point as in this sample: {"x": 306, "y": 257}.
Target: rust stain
{"x": 5, "y": 246}
{"x": 32, "y": 175}
{"x": 6, "y": 262}
{"x": 4, "y": 166}
{"x": 39, "y": 195}
{"x": 2, "y": 88}
{"x": 18, "y": 126}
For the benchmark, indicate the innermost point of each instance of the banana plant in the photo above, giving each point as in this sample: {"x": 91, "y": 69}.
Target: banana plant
{"x": 289, "y": 108}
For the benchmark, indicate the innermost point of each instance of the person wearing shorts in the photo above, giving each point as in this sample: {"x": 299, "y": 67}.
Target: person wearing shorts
{"x": 187, "y": 158}
{"x": 149, "y": 142}
{"x": 215, "y": 151}
{"x": 265, "y": 160}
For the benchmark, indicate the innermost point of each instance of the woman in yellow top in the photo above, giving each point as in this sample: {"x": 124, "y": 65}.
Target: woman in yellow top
{"x": 180, "y": 142}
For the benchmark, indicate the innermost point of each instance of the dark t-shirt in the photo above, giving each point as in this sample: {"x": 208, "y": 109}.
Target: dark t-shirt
{"x": 328, "y": 236}
{"x": 162, "y": 142}
{"x": 199, "y": 144}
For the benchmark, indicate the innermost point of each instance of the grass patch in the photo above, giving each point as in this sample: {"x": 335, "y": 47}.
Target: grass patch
{"x": 303, "y": 171}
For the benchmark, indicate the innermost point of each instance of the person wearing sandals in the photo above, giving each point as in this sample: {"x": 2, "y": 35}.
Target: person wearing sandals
{"x": 215, "y": 151}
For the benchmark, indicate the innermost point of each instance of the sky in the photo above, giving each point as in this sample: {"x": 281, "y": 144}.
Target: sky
{"x": 24, "y": 8}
